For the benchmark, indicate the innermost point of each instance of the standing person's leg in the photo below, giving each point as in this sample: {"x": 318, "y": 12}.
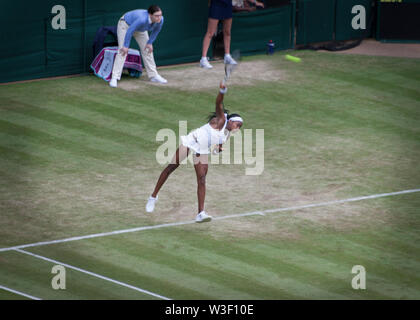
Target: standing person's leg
{"x": 211, "y": 30}
{"x": 227, "y": 26}
{"x": 119, "y": 58}
{"x": 180, "y": 154}
{"x": 148, "y": 58}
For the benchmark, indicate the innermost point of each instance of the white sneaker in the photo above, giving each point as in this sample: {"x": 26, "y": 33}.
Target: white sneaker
{"x": 158, "y": 79}
{"x": 229, "y": 60}
{"x": 202, "y": 217}
{"x": 113, "y": 83}
{"x": 204, "y": 63}
{"x": 150, "y": 206}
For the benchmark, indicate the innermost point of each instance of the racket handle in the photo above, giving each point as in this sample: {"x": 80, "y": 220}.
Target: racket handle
{"x": 223, "y": 88}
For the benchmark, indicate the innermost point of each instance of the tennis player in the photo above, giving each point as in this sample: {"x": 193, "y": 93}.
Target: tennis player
{"x": 216, "y": 132}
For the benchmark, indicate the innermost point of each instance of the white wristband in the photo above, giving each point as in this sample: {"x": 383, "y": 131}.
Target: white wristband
{"x": 223, "y": 91}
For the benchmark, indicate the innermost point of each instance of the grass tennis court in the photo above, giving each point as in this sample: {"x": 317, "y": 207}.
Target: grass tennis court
{"x": 78, "y": 158}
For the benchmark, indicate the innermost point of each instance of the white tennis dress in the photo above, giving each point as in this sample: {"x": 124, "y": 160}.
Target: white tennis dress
{"x": 201, "y": 139}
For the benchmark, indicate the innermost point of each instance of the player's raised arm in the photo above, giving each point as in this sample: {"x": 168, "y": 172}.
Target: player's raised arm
{"x": 219, "y": 102}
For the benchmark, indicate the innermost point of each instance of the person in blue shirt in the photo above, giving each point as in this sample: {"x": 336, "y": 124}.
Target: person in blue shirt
{"x": 144, "y": 26}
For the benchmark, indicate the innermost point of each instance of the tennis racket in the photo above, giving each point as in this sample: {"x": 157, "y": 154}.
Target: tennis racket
{"x": 230, "y": 67}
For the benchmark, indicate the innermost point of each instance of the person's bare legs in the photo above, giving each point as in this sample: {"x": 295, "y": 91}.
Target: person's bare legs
{"x": 227, "y": 26}
{"x": 180, "y": 154}
{"x": 211, "y": 30}
{"x": 201, "y": 167}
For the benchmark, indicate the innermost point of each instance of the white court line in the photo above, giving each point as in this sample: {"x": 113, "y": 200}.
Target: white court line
{"x": 19, "y": 293}
{"x": 262, "y": 213}
{"x": 94, "y": 275}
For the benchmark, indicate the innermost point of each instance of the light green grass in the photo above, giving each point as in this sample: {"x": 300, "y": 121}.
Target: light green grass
{"x": 78, "y": 157}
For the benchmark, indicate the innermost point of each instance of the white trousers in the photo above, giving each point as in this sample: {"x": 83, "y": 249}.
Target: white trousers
{"x": 147, "y": 58}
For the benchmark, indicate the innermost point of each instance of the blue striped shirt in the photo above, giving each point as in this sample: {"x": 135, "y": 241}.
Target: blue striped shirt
{"x": 138, "y": 20}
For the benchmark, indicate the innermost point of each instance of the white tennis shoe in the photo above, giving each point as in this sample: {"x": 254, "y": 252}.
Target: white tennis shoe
{"x": 158, "y": 78}
{"x": 228, "y": 59}
{"x": 204, "y": 63}
{"x": 150, "y": 206}
{"x": 113, "y": 83}
{"x": 202, "y": 217}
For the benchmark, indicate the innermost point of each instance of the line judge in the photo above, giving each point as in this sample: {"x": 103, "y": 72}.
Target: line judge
{"x": 137, "y": 24}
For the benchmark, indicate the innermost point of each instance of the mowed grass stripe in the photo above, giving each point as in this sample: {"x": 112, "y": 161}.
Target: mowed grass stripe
{"x": 387, "y": 69}
{"x": 325, "y": 263}
{"x": 396, "y": 112}
{"x": 21, "y": 158}
{"x": 131, "y": 269}
{"x": 24, "y": 143}
{"x": 357, "y": 79}
{"x": 119, "y": 112}
{"x": 346, "y": 113}
{"x": 408, "y": 241}
{"x": 309, "y": 116}
{"x": 412, "y": 76}
{"x": 39, "y": 136}
{"x": 388, "y": 259}
{"x": 93, "y": 274}
{"x": 12, "y": 174}
{"x": 60, "y": 131}
{"x": 388, "y": 246}
{"x": 227, "y": 265}
{"x": 222, "y": 283}
{"x": 173, "y": 274}
{"x": 57, "y": 159}
{"x": 366, "y": 105}
{"x": 292, "y": 280}
{"x": 33, "y": 276}
{"x": 338, "y": 91}
{"x": 147, "y": 132}
{"x": 155, "y": 106}
{"x": 388, "y": 279}
{"x": 401, "y": 75}
{"x": 92, "y": 129}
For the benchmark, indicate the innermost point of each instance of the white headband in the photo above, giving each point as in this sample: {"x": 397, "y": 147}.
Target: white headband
{"x": 236, "y": 119}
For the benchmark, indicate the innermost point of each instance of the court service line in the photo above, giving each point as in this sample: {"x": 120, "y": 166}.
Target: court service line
{"x": 19, "y": 293}
{"x": 94, "y": 274}
{"x": 165, "y": 225}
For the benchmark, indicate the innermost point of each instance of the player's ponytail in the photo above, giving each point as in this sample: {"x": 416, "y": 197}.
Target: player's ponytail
{"x": 214, "y": 115}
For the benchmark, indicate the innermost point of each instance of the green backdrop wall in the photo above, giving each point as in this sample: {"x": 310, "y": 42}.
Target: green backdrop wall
{"x": 251, "y": 31}
{"x": 327, "y": 20}
{"x": 344, "y": 17}
{"x": 31, "y": 48}
{"x": 315, "y": 21}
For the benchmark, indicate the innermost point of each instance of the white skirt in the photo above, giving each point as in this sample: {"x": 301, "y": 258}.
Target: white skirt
{"x": 200, "y": 140}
